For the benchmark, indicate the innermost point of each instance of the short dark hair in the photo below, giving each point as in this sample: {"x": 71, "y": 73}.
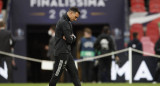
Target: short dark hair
{"x": 88, "y": 30}
{"x": 74, "y": 9}
{"x": 135, "y": 35}
{"x": 106, "y": 29}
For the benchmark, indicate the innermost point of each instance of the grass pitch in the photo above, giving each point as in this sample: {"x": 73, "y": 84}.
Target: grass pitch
{"x": 83, "y": 84}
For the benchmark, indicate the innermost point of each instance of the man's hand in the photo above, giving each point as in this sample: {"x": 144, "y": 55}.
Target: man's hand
{"x": 13, "y": 63}
{"x": 73, "y": 36}
{"x": 117, "y": 60}
{"x": 46, "y": 47}
{"x": 64, "y": 37}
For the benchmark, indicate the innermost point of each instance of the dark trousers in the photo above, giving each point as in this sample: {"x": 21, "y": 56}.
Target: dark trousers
{"x": 104, "y": 69}
{"x": 87, "y": 71}
{"x": 157, "y": 72}
{"x": 4, "y": 60}
{"x": 62, "y": 62}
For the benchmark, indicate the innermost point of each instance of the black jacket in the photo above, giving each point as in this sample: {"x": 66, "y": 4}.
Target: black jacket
{"x": 157, "y": 48}
{"x": 6, "y": 41}
{"x": 50, "y": 52}
{"x": 63, "y": 28}
{"x": 98, "y": 44}
{"x": 136, "y": 44}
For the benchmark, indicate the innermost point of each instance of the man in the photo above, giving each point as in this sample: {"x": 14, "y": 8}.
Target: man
{"x": 64, "y": 37}
{"x": 6, "y": 45}
{"x": 50, "y": 47}
{"x": 135, "y": 43}
{"x": 157, "y": 50}
{"x": 104, "y": 44}
{"x": 86, "y": 51}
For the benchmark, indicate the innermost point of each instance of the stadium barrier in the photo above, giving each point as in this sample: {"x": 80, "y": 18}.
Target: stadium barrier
{"x": 48, "y": 65}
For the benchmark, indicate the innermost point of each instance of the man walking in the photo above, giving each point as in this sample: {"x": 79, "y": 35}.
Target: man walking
{"x": 87, "y": 51}
{"x": 64, "y": 37}
{"x": 105, "y": 44}
{"x": 157, "y": 72}
{"x": 50, "y": 46}
{"x": 135, "y": 43}
{"x": 6, "y": 45}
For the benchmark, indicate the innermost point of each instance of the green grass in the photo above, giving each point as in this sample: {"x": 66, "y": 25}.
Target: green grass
{"x": 84, "y": 84}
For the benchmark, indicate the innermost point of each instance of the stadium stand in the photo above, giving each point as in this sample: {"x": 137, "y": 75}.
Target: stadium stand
{"x": 147, "y": 45}
{"x": 152, "y": 32}
{"x": 156, "y": 20}
{"x": 1, "y": 5}
{"x": 154, "y": 6}
{"x": 137, "y": 6}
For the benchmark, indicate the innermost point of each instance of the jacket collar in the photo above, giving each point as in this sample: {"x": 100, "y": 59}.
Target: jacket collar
{"x": 65, "y": 16}
{"x": 135, "y": 39}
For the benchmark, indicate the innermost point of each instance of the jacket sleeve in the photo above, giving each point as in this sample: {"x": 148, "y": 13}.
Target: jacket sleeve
{"x": 141, "y": 47}
{"x": 11, "y": 40}
{"x": 112, "y": 45}
{"x": 156, "y": 48}
{"x": 74, "y": 37}
{"x": 79, "y": 45}
{"x": 96, "y": 44}
{"x": 67, "y": 32}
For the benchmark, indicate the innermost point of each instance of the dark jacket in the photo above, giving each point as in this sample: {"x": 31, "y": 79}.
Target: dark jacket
{"x": 6, "y": 41}
{"x": 50, "y": 52}
{"x": 136, "y": 44}
{"x": 157, "y": 48}
{"x": 106, "y": 48}
{"x": 63, "y": 28}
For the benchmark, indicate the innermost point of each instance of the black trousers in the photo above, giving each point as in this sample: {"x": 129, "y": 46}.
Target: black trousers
{"x": 157, "y": 72}
{"x": 64, "y": 61}
{"x": 4, "y": 60}
{"x": 87, "y": 71}
{"x": 104, "y": 69}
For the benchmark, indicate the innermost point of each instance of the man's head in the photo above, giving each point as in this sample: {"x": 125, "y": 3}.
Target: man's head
{"x": 73, "y": 13}
{"x": 2, "y": 25}
{"x": 106, "y": 30}
{"x": 87, "y": 32}
{"x": 135, "y": 35}
{"x": 51, "y": 30}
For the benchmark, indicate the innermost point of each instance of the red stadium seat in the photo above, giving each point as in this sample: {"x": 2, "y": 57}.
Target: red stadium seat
{"x": 153, "y": 32}
{"x": 133, "y": 2}
{"x": 156, "y": 20}
{"x": 154, "y": 6}
{"x": 136, "y": 28}
{"x": 1, "y": 5}
{"x": 148, "y": 45}
{"x": 137, "y": 6}
{"x": 153, "y": 1}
